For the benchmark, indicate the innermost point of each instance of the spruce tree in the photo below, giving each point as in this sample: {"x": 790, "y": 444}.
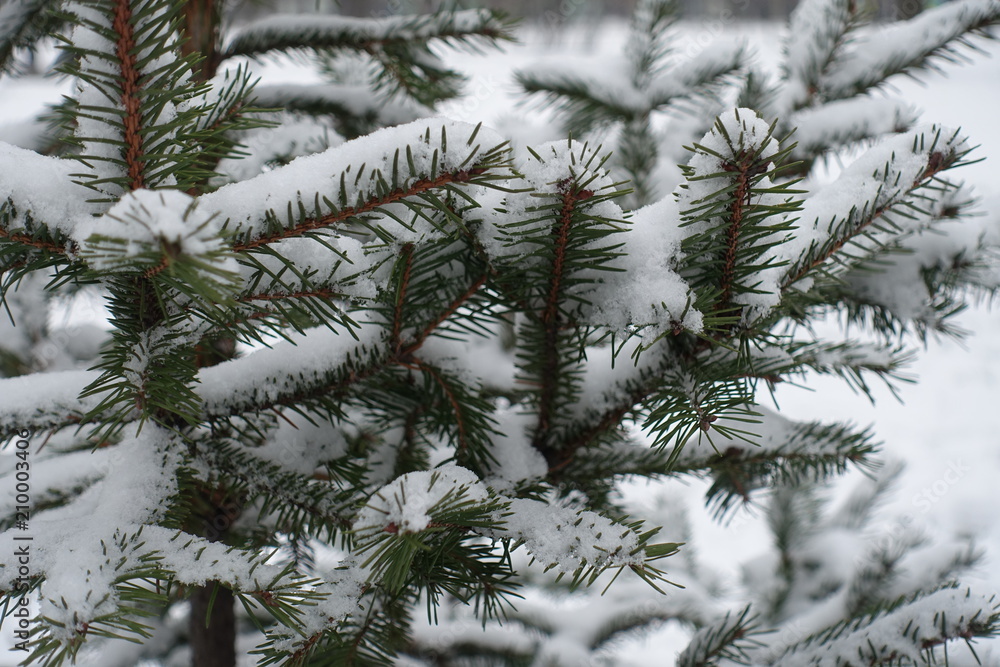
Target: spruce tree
{"x": 370, "y": 378}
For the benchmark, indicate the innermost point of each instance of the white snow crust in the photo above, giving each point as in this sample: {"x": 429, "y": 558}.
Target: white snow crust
{"x": 407, "y": 503}
{"x": 363, "y": 163}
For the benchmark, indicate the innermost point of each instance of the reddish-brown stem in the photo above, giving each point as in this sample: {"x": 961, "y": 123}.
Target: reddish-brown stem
{"x": 456, "y": 407}
{"x": 613, "y": 416}
{"x": 404, "y": 283}
{"x": 417, "y": 187}
{"x": 935, "y": 164}
{"x": 132, "y": 118}
{"x": 277, "y": 296}
{"x": 27, "y": 240}
{"x": 550, "y": 323}
{"x": 733, "y": 233}
{"x": 159, "y": 268}
{"x": 402, "y": 356}
{"x": 445, "y": 314}
{"x": 306, "y": 647}
{"x": 608, "y": 420}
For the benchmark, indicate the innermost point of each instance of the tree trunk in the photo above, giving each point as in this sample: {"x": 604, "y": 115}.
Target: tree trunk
{"x": 214, "y": 645}
{"x": 201, "y": 27}
{"x": 213, "y": 639}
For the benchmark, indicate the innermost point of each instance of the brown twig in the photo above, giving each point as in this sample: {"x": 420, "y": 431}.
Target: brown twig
{"x": 608, "y": 420}
{"x": 417, "y": 187}
{"x": 935, "y": 163}
{"x": 551, "y": 322}
{"x": 159, "y": 268}
{"x": 277, "y": 296}
{"x": 456, "y": 407}
{"x": 132, "y": 119}
{"x": 745, "y": 168}
{"x": 401, "y": 356}
{"x": 27, "y": 240}
{"x": 404, "y": 283}
{"x": 445, "y": 314}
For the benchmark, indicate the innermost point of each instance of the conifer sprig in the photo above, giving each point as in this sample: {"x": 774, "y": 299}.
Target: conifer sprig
{"x": 930, "y": 37}
{"x": 284, "y": 33}
{"x": 727, "y": 639}
{"x": 934, "y": 150}
{"x": 453, "y": 353}
{"x": 909, "y": 631}
{"x": 134, "y": 84}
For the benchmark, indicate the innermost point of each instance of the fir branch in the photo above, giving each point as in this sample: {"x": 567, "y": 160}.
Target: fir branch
{"x": 818, "y": 31}
{"x": 281, "y": 309}
{"x": 583, "y": 107}
{"x": 40, "y": 244}
{"x": 908, "y": 631}
{"x": 288, "y": 32}
{"x": 874, "y": 577}
{"x": 319, "y": 383}
{"x": 406, "y": 255}
{"x": 822, "y": 130}
{"x": 356, "y": 109}
{"x": 456, "y": 406}
{"x": 417, "y": 187}
{"x": 585, "y": 104}
{"x": 39, "y": 202}
{"x": 636, "y": 618}
{"x": 299, "y": 504}
{"x": 132, "y": 125}
{"x": 278, "y": 296}
{"x": 230, "y": 112}
{"x": 649, "y": 37}
{"x": 411, "y": 163}
{"x": 22, "y": 24}
{"x": 931, "y": 36}
{"x": 743, "y": 461}
{"x": 937, "y": 152}
{"x": 697, "y": 79}
{"x": 628, "y": 457}
{"x": 44, "y": 401}
{"x": 730, "y": 638}
{"x": 598, "y": 426}
{"x": 735, "y": 212}
{"x": 446, "y": 313}
{"x": 743, "y": 170}
{"x": 132, "y": 115}
{"x": 551, "y": 322}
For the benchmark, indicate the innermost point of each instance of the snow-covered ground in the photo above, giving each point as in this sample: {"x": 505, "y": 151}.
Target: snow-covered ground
{"x": 947, "y": 427}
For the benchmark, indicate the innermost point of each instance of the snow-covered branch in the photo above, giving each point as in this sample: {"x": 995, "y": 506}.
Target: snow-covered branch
{"x": 294, "y": 31}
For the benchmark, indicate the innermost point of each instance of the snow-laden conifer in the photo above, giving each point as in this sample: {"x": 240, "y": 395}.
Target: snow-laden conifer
{"x": 378, "y": 384}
